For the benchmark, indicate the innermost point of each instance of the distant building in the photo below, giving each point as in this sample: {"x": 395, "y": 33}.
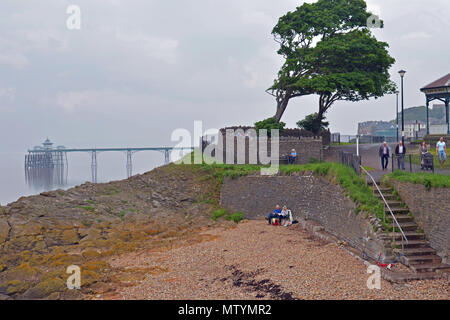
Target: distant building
{"x": 371, "y": 127}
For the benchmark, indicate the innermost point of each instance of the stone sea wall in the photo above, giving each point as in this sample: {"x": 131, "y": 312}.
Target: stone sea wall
{"x": 309, "y": 197}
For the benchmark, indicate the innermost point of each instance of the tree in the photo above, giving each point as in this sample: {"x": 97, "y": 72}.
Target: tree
{"x": 329, "y": 51}
{"x": 269, "y": 124}
{"x": 310, "y": 123}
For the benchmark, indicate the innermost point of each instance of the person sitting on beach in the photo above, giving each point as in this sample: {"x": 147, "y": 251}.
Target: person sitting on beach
{"x": 275, "y": 214}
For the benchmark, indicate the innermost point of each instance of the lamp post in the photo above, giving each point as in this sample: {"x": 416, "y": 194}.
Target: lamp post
{"x": 402, "y": 75}
{"x": 396, "y": 115}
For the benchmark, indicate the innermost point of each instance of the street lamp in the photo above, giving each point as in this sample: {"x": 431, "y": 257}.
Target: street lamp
{"x": 402, "y": 75}
{"x": 396, "y": 114}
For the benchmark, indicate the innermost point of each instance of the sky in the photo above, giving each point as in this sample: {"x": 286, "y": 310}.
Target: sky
{"x": 136, "y": 70}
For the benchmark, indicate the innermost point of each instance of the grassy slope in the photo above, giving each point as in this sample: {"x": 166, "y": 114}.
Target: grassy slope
{"x": 354, "y": 186}
{"x": 427, "y": 179}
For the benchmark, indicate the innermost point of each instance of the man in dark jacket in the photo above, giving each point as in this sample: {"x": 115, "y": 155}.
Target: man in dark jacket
{"x": 400, "y": 152}
{"x": 384, "y": 152}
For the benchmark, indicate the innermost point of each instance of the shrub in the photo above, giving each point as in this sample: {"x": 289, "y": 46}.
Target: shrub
{"x": 219, "y": 213}
{"x": 268, "y": 124}
{"x": 236, "y": 217}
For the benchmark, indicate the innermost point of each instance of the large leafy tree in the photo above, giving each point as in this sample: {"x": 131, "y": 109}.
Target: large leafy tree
{"x": 328, "y": 50}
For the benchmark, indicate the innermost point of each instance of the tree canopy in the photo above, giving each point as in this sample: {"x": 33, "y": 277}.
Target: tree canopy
{"x": 310, "y": 123}
{"x": 329, "y": 50}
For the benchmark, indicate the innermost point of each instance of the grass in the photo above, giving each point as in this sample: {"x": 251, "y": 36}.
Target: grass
{"x": 236, "y": 217}
{"x": 219, "y": 213}
{"x": 426, "y": 179}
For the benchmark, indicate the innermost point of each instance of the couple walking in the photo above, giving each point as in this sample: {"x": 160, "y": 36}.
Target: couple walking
{"x": 385, "y": 153}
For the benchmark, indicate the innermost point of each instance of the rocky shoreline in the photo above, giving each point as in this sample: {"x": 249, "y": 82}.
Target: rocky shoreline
{"x": 40, "y": 236}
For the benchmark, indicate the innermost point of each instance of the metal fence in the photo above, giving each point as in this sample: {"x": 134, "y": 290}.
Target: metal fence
{"x": 414, "y": 163}
{"x": 351, "y": 160}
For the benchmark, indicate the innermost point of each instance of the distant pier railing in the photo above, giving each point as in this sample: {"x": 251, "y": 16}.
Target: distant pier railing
{"x": 47, "y": 159}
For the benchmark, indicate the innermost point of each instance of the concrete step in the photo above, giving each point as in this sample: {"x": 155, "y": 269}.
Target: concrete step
{"x": 424, "y": 251}
{"x": 425, "y": 259}
{"x": 394, "y": 203}
{"x": 382, "y": 189}
{"x": 401, "y": 277}
{"x": 408, "y": 226}
{"x": 429, "y": 267}
{"x": 387, "y": 196}
{"x": 400, "y": 218}
{"x": 398, "y": 210}
{"x": 410, "y": 235}
{"x": 411, "y": 244}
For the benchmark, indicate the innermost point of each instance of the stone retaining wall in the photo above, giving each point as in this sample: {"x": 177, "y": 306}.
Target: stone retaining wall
{"x": 309, "y": 197}
{"x": 431, "y": 211}
{"x": 307, "y": 149}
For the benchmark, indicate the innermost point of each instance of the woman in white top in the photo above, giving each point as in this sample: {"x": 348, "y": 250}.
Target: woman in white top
{"x": 286, "y": 214}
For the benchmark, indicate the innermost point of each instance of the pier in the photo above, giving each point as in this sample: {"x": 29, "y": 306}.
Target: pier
{"x": 51, "y": 162}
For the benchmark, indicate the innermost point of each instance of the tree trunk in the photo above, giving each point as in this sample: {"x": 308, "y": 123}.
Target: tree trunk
{"x": 320, "y": 116}
{"x": 281, "y": 107}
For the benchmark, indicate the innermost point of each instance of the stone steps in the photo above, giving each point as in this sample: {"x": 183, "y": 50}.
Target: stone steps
{"x": 411, "y": 243}
{"x": 397, "y": 210}
{"x": 387, "y": 196}
{"x": 410, "y": 235}
{"x": 400, "y": 218}
{"x": 417, "y": 253}
{"x": 429, "y": 267}
{"x": 425, "y": 259}
{"x": 408, "y": 226}
{"x": 394, "y": 203}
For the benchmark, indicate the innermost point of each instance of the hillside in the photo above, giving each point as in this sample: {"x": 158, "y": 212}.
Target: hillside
{"x": 437, "y": 113}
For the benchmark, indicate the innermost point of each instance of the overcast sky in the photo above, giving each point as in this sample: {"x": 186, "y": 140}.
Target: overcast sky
{"x": 138, "y": 69}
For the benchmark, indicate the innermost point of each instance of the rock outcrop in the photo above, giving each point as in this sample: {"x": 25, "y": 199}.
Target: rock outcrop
{"x": 40, "y": 236}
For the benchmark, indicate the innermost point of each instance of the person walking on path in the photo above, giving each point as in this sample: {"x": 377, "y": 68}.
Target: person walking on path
{"x": 384, "y": 153}
{"x": 400, "y": 152}
{"x": 441, "y": 151}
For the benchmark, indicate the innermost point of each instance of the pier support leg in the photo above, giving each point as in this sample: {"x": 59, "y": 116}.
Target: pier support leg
{"x": 94, "y": 166}
{"x": 129, "y": 164}
{"x": 166, "y": 156}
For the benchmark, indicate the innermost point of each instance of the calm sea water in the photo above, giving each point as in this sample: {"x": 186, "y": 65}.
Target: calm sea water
{"x": 111, "y": 166}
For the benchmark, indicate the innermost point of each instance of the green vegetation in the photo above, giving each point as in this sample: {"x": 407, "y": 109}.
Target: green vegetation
{"x": 420, "y": 114}
{"x": 236, "y": 217}
{"x": 90, "y": 201}
{"x": 219, "y": 213}
{"x": 269, "y": 124}
{"x": 312, "y": 123}
{"x": 426, "y": 179}
{"x": 329, "y": 50}
{"x": 354, "y": 186}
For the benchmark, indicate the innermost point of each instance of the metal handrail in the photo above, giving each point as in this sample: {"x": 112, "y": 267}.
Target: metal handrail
{"x": 387, "y": 205}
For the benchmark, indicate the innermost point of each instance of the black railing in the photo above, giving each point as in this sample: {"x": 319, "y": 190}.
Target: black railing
{"x": 414, "y": 163}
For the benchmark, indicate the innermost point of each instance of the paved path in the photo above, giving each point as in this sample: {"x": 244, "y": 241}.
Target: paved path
{"x": 370, "y": 158}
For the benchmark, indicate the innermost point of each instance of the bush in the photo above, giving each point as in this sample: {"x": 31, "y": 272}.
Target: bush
{"x": 269, "y": 124}
{"x": 219, "y": 213}
{"x": 236, "y": 217}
